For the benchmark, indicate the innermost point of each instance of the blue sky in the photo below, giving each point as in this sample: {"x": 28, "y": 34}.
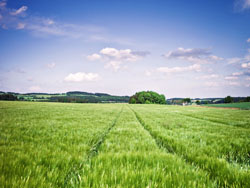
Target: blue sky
{"x": 179, "y": 48}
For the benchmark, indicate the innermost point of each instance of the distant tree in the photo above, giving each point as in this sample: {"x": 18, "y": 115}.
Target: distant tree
{"x": 21, "y": 98}
{"x": 147, "y": 97}
{"x": 205, "y": 102}
{"x": 8, "y": 97}
{"x": 198, "y": 102}
{"x": 247, "y": 99}
{"x": 228, "y": 99}
{"x": 188, "y": 100}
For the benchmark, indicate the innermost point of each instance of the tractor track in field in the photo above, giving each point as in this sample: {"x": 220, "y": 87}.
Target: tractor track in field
{"x": 73, "y": 177}
{"x": 211, "y": 121}
{"x": 158, "y": 141}
{"x": 167, "y": 148}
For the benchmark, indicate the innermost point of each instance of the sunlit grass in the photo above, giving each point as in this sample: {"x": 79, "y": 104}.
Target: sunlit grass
{"x": 121, "y": 145}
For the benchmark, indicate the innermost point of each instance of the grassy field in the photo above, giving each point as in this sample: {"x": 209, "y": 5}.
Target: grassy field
{"x": 240, "y": 105}
{"x": 121, "y": 145}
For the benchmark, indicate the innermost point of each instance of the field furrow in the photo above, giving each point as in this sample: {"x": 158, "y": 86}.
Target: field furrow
{"x": 226, "y": 118}
{"x": 73, "y": 176}
{"x": 189, "y": 139}
{"x": 118, "y": 145}
{"x": 130, "y": 157}
{"x": 40, "y": 142}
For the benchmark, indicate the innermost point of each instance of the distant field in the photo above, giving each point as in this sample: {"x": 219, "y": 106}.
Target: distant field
{"x": 241, "y": 105}
{"x": 122, "y": 145}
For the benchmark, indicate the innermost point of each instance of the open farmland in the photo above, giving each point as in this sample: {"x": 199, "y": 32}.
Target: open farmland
{"x": 122, "y": 145}
{"x": 240, "y": 105}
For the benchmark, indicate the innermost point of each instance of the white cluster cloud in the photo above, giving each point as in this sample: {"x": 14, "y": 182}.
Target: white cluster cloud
{"x": 115, "y": 65}
{"x": 81, "y": 76}
{"x": 231, "y": 78}
{"x": 2, "y": 4}
{"x": 193, "y": 55}
{"x": 194, "y": 67}
{"x": 237, "y": 73}
{"x": 116, "y": 58}
{"x": 245, "y": 65}
{"x": 94, "y": 57}
{"x": 190, "y": 52}
{"x": 211, "y": 76}
{"x": 19, "y": 11}
{"x": 248, "y": 40}
{"x": 238, "y": 60}
{"x": 40, "y": 26}
{"x": 122, "y": 55}
{"x": 242, "y": 4}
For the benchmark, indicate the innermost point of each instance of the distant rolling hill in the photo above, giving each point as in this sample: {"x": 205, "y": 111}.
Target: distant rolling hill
{"x": 71, "y": 96}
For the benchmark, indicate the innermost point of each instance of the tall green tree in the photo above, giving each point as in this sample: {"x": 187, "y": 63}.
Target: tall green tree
{"x": 228, "y": 99}
{"x": 147, "y": 97}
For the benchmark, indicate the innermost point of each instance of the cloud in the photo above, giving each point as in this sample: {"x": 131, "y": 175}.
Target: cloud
{"x": 234, "y": 60}
{"x": 248, "y": 40}
{"x": 231, "y": 78}
{"x": 51, "y": 65}
{"x": 20, "y": 26}
{"x": 81, "y": 77}
{"x": 212, "y": 84}
{"x": 148, "y": 73}
{"x": 115, "y": 65}
{"x": 193, "y": 55}
{"x": 234, "y": 83}
{"x": 35, "y": 88}
{"x": 237, "y": 73}
{"x": 19, "y": 11}
{"x": 242, "y": 5}
{"x": 190, "y": 52}
{"x": 141, "y": 53}
{"x": 248, "y": 78}
{"x": 194, "y": 67}
{"x": 115, "y": 58}
{"x": 122, "y": 55}
{"x": 2, "y": 4}
{"x": 94, "y": 57}
{"x": 40, "y": 26}
{"x": 212, "y": 76}
{"x": 245, "y": 65}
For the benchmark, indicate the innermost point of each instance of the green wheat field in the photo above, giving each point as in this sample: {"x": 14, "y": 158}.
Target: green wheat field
{"x": 122, "y": 145}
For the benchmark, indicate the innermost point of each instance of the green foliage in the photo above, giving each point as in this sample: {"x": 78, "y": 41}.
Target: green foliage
{"x": 147, "y": 97}
{"x": 132, "y": 101}
{"x": 8, "y": 97}
{"x": 198, "y": 102}
{"x": 228, "y": 99}
{"x": 187, "y": 100}
{"x": 247, "y": 99}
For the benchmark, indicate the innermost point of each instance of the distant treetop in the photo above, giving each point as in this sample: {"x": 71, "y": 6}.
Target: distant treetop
{"x": 147, "y": 97}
